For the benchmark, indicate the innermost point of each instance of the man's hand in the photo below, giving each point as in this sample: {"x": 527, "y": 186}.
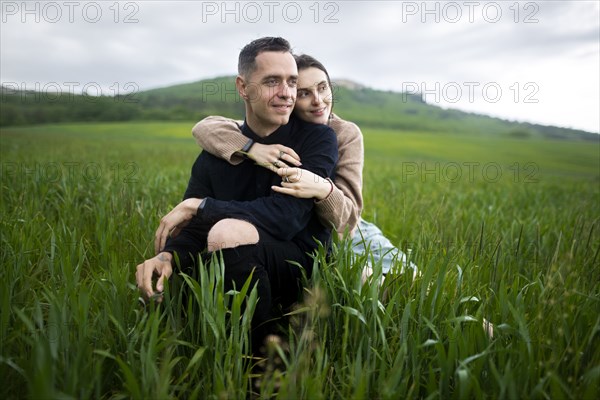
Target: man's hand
{"x": 173, "y": 222}
{"x": 158, "y": 266}
{"x": 274, "y": 156}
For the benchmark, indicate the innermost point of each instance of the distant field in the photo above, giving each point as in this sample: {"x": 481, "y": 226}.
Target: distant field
{"x": 502, "y": 229}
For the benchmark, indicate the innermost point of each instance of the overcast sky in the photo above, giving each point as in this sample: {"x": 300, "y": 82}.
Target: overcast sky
{"x": 536, "y": 61}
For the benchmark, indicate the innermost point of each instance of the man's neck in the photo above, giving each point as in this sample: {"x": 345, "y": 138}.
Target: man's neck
{"x": 260, "y": 129}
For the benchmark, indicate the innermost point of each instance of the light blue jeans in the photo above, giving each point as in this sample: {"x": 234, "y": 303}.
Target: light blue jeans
{"x": 369, "y": 236}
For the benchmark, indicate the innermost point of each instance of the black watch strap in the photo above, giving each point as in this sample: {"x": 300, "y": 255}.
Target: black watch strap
{"x": 246, "y": 148}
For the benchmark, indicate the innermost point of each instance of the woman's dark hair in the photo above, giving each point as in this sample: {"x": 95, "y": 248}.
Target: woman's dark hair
{"x": 304, "y": 61}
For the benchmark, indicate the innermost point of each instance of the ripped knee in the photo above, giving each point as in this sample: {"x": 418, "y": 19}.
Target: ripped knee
{"x": 229, "y": 233}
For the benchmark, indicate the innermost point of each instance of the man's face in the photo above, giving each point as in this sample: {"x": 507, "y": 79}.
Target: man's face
{"x": 270, "y": 91}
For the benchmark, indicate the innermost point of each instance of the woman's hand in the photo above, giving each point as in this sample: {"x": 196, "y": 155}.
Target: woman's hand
{"x": 302, "y": 183}
{"x": 273, "y": 156}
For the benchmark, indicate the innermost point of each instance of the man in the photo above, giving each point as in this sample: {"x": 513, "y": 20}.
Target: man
{"x": 233, "y": 209}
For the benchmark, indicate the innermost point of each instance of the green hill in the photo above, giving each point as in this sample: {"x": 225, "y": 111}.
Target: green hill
{"x": 194, "y": 101}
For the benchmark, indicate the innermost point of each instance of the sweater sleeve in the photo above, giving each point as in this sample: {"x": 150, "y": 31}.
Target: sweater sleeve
{"x": 221, "y": 137}
{"x": 342, "y": 208}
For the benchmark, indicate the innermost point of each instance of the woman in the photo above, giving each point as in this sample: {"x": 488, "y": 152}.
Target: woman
{"x": 338, "y": 203}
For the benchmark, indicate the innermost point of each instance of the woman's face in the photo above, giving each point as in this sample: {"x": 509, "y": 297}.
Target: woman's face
{"x": 314, "y": 97}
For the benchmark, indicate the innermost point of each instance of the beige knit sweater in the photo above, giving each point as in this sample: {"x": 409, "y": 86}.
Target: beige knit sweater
{"x": 342, "y": 208}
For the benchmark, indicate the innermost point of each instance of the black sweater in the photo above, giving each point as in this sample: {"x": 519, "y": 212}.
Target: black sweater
{"x": 244, "y": 192}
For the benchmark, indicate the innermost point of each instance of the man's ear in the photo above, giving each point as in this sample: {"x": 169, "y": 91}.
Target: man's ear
{"x": 240, "y": 84}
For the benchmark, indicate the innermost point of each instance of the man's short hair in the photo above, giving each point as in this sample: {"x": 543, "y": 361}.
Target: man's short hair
{"x": 247, "y": 59}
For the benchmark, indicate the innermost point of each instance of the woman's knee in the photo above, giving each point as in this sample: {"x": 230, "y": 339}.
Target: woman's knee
{"x": 229, "y": 233}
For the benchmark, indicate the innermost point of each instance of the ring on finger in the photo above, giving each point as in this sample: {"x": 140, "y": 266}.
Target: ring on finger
{"x": 281, "y": 153}
{"x": 276, "y": 164}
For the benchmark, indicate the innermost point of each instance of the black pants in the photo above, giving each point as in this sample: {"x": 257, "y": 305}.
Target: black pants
{"x": 278, "y": 280}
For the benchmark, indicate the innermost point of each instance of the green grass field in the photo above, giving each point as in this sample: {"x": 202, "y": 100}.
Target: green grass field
{"x": 502, "y": 229}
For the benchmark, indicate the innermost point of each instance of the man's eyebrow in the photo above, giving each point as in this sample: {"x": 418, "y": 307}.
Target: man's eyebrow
{"x": 266, "y": 78}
